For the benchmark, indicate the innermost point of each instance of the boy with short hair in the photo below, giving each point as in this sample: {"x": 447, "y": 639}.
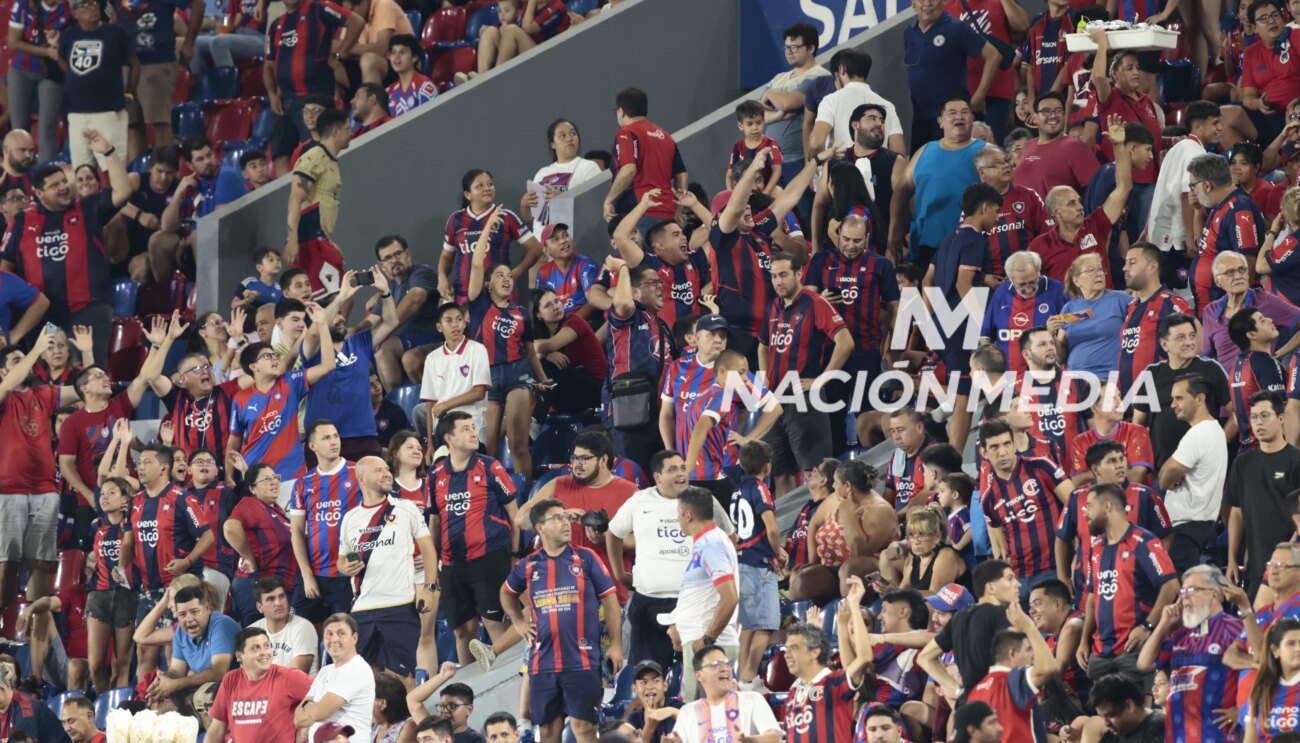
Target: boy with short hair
{"x": 954, "y": 491}
{"x": 412, "y": 89}
{"x": 760, "y": 542}
{"x": 750, "y": 122}
{"x": 294, "y": 284}
{"x": 457, "y": 376}
{"x": 255, "y": 169}
{"x": 263, "y": 288}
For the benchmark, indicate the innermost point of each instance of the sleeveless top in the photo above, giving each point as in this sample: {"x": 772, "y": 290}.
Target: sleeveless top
{"x": 832, "y": 547}
{"x": 921, "y": 575}
{"x": 941, "y": 176}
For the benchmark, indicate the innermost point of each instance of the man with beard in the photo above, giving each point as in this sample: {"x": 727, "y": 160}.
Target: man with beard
{"x": 569, "y": 274}
{"x": 369, "y": 108}
{"x": 314, "y": 206}
{"x": 202, "y": 650}
{"x": 1139, "y": 343}
{"x": 198, "y": 194}
{"x": 685, "y": 272}
{"x": 1051, "y": 606}
{"x": 1025, "y": 300}
{"x": 256, "y": 702}
{"x": 1193, "y": 476}
{"x": 343, "y": 397}
{"x": 1130, "y": 582}
{"x": 1054, "y": 158}
{"x": 881, "y": 167}
{"x": 1189, "y": 643}
{"x": 19, "y": 157}
{"x": 1047, "y": 395}
{"x": 412, "y": 284}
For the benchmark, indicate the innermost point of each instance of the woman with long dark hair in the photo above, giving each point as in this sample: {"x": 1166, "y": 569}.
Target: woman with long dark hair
{"x": 566, "y": 172}
{"x": 464, "y": 226}
{"x": 405, "y": 460}
{"x": 1276, "y": 694}
{"x": 846, "y": 194}
{"x": 570, "y": 353}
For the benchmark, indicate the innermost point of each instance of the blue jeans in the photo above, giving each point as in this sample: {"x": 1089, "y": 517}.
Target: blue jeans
{"x": 225, "y": 50}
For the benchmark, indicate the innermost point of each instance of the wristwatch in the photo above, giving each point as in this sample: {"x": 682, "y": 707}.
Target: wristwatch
{"x": 432, "y": 587}
{"x": 1148, "y": 627}
{"x": 709, "y": 640}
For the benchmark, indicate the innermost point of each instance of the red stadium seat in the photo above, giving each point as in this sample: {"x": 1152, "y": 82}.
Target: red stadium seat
{"x": 1217, "y": 74}
{"x": 446, "y": 25}
{"x": 127, "y": 333}
{"x": 125, "y": 365}
{"x": 777, "y": 675}
{"x": 231, "y": 122}
{"x": 161, "y": 299}
{"x": 71, "y": 564}
{"x": 184, "y": 86}
{"x": 251, "y": 84}
{"x": 447, "y": 65}
{"x": 9, "y": 621}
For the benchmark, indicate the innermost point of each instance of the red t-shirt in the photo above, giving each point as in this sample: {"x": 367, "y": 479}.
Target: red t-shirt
{"x": 1057, "y": 254}
{"x": 26, "y": 428}
{"x": 654, "y": 153}
{"x": 611, "y": 497}
{"x": 990, "y": 18}
{"x": 87, "y": 435}
{"x": 1137, "y": 109}
{"x": 585, "y": 352}
{"x": 1268, "y": 197}
{"x": 1275, "y": 72}
{"x": 262, "y": 710}
{"x": 1062, "y": 162}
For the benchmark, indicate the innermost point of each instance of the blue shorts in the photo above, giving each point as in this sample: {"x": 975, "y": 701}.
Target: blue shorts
{"x": 415, "y": 340}
{"x": 760, "y": 602}
{"x": 335, "y": 597}
{"x": 575, "y": 694}
{"x": 386, "y": 637}
{"x": 509, "y": 377}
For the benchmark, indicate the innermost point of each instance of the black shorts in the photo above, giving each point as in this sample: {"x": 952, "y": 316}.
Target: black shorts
{"x": 575, "y": 694}
{"x": 385, "y": 637}
{"x": 473, "y": 589}
{"x": 799, "y": 441}
{"x": 114, "y": 607}
{"x": 335, "y": 598}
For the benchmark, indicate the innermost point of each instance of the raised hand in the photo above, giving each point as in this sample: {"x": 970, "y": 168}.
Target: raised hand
{"x": 157, "y": 332}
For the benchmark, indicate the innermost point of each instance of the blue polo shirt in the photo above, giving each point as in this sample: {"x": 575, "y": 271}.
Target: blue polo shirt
{"x": 218, "y": 640}
{"x": 936, "y": 62}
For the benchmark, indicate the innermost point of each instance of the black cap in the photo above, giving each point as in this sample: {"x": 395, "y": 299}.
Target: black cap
{"x": 646, "y": 665}
{"x": 712, "y": 323}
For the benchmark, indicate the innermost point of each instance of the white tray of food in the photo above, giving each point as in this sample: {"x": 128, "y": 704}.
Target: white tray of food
{"x": 1133, "y": 38}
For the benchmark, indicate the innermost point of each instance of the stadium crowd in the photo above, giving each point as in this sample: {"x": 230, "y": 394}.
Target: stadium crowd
{"x": 519, "y": 443}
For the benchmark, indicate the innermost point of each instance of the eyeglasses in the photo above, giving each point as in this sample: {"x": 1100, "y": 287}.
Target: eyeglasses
{"x": 1001, "y": 163}
{"x": 716, "y": 665}
{"x": 1275, "y": 16}
{"x": 651, "y": 282}
{"x": 1279, "y": 565}
{"x": 452, "y": 706}
{"x": 204, "y": 463}
{"x": 793, "y": 47}
{"x": 97, "y": 374}
{"x": 581, "y": 458}
{"x": 392, "y": 258}
{"x": 556, "y": 517}
{"x": 268, "y": 478}
{"x": 268, "y": 356}
{"x": 1189, "y": 590}
{"x": 1191, "y": 185}
{"x": 18, "y": 199}
{"x": 922, "y": 534}
{"x": 1238, "y": 271}
{"x": 1261, "y": 417}
{"x": 199, "y": 368}
{"x": 1051, "y": 112}
{"x": 1090, "y": 270}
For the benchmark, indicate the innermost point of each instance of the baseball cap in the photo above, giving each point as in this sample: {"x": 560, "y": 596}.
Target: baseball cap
{"x": 712, "y": 323}
{"x": 1289, "y": 152}
{"x": 646, "y": 665}
{"x": 330, "y": 730}
{"x": 720, "y": 202}
{"x": 951, "y": 597}
{"x": 550, "y": 229}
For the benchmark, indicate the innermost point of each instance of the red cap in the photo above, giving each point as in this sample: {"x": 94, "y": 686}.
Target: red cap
{"x": 720, "y": 202}
{"x": 550, "y": 229}
{"x": 330, "y": 730}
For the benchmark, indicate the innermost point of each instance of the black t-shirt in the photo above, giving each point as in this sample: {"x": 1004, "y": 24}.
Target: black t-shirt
{"x": 1268, "y": 478}
{"x": 970, "y": 636}
{"x": 95, "y": 60}
{"x": 1152, "y": 730}
{"x": 636, "y": 718}
{"x": 389, "y": 419}
{"x": 1166, "y": 429}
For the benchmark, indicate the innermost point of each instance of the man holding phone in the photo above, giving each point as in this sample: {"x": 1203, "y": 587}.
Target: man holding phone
{"x": 344, "y": 396}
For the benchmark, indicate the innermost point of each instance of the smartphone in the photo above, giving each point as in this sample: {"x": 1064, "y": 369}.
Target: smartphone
{"x": 51, "y": 328}
{"x": 363, "y": 278}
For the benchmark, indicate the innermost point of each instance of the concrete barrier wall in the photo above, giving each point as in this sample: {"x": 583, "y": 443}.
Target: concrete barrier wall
{"x": 405, "y": 178}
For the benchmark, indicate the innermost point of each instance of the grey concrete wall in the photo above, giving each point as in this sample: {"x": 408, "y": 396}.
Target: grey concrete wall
{"x": 406, "y": 177}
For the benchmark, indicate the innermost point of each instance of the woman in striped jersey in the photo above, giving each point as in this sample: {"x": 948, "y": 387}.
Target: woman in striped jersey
{"x": 1275, "y": 700}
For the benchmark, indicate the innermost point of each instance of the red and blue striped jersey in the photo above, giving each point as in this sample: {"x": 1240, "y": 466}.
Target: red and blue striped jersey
{"x": 564, "y": 594}
{"x": 905, "y": 475}
{"x": 201, "y": 424}
{"x": 1139, "y": 345}
{"x": 1143, "y": 507}
{"x": 1135, "y": 11}
{"x": 462, "y": 233}
{"x": 799, "y": 336}
{"x": 34, "y": 18}
{"x": 1025, "y": 507}
{"x": 1012, "y": 695}
{"x": 403, "y": 100}
{"x": 1284, "y": 259}
{"x": 1137, "y": 447}
{"x": 726, "y": 409}
{"x": 640, "y": 343}
{"x": 750, "y": 500}
{"x": 1200, "y": 683}
{"x": 1286, "y": 609}
{"x": 898, "y": 673}
{"x": 796, "y": 540}
{"x": 821, "y": 710}
{"x": 682, "y": 283}
{"x": 1255, "y": 371}
{"x": 471, "y": 505}
{"x": 553, "y": 17}
{"x": 864, "y": 283}
{"x": 1234, "y": 224}
{"x": 268, "y": 421}
{"x": 504, "y": 331}
{"x": 164, "y": 528}
{"x": 1039, "y": 448}
{"x": 107, "y": 546}
{"x": 630, "y": 471}
{"x": 1021, "y": 219}
{"x": 266, "y": 528}
{"x": 298, "y": 44}
{"x": 1283, "y": 714}
{"x": 1124, "y": 580}
{"x": 685, "y": 379}
{"x": 217, "y": 501}
{"x": 570, "y": 286}
{"x": 741, "y": 266}
{"x": 1052, "y": 410}
{"x": 1044, "y": 49}
{"x": 323, "y": 499}
{"x": 741, "y": 152}
{"x": 62, "y": 253}
{"x": 1007, "y": 315}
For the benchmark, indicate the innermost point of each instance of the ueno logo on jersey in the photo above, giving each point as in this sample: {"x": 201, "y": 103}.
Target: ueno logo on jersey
{"x": 800, "y": 720}
{"x": 684, "y": 292}
{"x": 505, "y": 325}
{"x": 781, "y": 340}
{"x": 289, "y": 39}
{"x": 1051, "y": 421}
{"x": 54, "y": 247}
{"x": 1130, "y": 340}
{"x": 329, "y": 511}
{"x": 270, "y": 423}
{"x": 848, "y": 291}
{"x": 199, "y": 420}
{"x": 458, "y": 503}
{"x": 148, "y": 532}
{"x": 111, "y": 548}
{"x": 1108, "y": 581}
{"x": 1283, "y": 718}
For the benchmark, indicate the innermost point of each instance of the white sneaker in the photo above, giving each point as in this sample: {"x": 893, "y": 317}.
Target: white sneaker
{"x": 482, "y": 653}
{"x": 460, "y": 78}
{"x": 759, "y": 687}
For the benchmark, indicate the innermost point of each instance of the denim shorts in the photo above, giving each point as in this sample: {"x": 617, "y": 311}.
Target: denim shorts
{"x": 507, "y": 378}
{"x": 760, "y": 604}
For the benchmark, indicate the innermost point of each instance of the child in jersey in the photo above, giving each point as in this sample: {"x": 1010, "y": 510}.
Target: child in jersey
{"x": 749, "y": 120}
{"x": 954, "y": 492}
{"x": 263, "y": 288}
{"x": 753, "y": 511}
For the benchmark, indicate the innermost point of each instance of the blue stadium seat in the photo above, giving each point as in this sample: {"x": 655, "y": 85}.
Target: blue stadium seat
{"x": 581, "y": 7}
{"x": 187, "y": 120}
{"x": 125, "y": 294}
{"x": 520, "y": 480}
{"x": 109, "y": 701}
{"x": 484, "y": 16}
{"x": 406, "y": 397}
{"x": 150, "y": 407}
{"x": 263, "y": 127}
{"x": 569, "y": 737}
{"x": 675, "y": 680}
{"x": 623, "y": 685}
{"x": 233, "y": 150}
{"x": 445, "y": 641}
{"x": 222, "y": 84}
{"x": 831, "y": 619}
{"x": 1179, "y": 81}
{"x": 416, "y": 22}
{"x": 542, "y": 480}
{"x": 140, "y": 165}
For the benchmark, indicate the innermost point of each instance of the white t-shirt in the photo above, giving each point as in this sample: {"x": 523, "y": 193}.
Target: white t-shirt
{"x": 1204, "y": 452}
{"x": 562, "y": 177}
{"x": 836, "y": 109}
{"x": 354, "y": 681}
{"x": 451, "y": 373}
{"x": 1165, "y": 221}
{"x": 712, "y": 562}
{"x": 755, "y": 718}
{"x": 297, "y": 638}
{"x": 662, "y": 548}
{"x": 788, "y": 132}
{"x": 389, "y": 577}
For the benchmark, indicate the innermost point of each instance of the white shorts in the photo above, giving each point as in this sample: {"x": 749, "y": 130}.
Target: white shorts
{"x": 112, "y": 124}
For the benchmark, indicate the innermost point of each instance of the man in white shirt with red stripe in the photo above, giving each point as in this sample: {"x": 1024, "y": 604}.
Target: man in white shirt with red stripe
{"x": 724, "y": 715}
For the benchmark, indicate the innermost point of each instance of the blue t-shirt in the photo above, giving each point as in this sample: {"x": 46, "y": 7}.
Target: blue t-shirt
{"x": 218, "y": 640}
{"x": 266, "y": 293}
{"x": 16, "y": 295}
{"x": 425, "y": 319}
{"x": 95, "y": 60}
{"x": 222, "y": 188}
{"x": 936, "y": 63}
{"x": 1094, "y": 342}
{"x": 343, "y": 395}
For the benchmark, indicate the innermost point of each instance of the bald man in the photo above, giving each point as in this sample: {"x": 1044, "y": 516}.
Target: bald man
{"x": 379, "y": 537}
{"x": 19, "y": 156}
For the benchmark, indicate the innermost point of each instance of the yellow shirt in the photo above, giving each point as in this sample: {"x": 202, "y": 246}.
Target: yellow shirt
{"x": 319, "y": 168}
{"x": 385, "y": 15}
